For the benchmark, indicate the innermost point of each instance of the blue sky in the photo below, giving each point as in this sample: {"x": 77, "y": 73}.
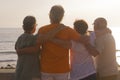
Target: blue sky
{"x": 12, "y": 12}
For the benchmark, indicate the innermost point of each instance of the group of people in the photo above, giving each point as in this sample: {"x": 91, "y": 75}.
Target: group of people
{"x": 58, "y": 52}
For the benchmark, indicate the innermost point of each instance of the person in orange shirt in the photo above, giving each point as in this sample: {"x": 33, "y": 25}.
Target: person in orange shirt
{"x": 55, "y": 58}
{"x": 54, "y": 62}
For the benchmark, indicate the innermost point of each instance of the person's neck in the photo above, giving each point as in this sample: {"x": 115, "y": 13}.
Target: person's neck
{"x": 28, "y": 32}
{"x": 84, "y": 34}
{"x": 55, "y": 22}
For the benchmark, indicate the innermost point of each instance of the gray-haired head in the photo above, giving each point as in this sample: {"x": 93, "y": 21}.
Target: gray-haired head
{"x": 56, "y": 14}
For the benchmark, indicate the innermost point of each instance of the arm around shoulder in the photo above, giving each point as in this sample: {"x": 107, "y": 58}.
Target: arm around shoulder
{"x": 63, "y": 43}
{"x": 29, "y": 50}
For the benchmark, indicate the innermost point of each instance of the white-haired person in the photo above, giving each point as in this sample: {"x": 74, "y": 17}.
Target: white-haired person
{"x": 106, "y": 64}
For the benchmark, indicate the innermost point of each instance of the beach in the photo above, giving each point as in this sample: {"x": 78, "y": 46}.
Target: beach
{"x": 8, "y": 56}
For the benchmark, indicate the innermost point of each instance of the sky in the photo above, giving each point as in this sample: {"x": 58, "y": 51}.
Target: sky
{"x": 12, "y": 12}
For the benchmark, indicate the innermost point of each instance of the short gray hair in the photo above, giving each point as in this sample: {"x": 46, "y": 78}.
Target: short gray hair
{"x": 56, "y": 14}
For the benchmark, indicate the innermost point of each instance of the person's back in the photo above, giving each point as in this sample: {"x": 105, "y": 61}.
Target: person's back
{"x": 82, "y": 65}
{"x": 27, "y": 64}
{"x": 105, "y": 44}
{"x": 55, "y": 58}
{"x": 106, "y": 61}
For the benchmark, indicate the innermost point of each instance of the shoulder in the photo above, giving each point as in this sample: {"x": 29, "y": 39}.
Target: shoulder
{"x": 108, "y": 38}
{"x": 44, "y": 28}
{"x": 26, "y": 37}
{"x": 105, "y": 37}
{"x": 69, "y": 29}
{"x": 21, "y": 36}
{"x": 77, "y": 46}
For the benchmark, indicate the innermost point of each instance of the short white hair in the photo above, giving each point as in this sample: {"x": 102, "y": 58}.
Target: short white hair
{"x": 102, "y": 22}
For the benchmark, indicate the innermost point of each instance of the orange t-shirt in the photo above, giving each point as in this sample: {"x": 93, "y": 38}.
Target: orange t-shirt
{"x": 54, "y": 58}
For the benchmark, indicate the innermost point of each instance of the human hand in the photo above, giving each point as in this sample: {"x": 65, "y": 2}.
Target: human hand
{"x": 102, "y": 32}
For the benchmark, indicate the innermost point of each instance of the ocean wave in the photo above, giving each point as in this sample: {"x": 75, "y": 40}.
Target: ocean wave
{"x": 7, "y": 52}
{"x": 7, "y": 60}
{"x": 7, "y": 41}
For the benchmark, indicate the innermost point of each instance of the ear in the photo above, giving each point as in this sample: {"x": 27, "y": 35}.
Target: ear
{"x": 34, "y": 29}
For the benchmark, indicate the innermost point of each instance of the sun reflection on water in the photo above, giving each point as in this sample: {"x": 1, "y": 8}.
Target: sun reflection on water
{"x": 118, "y": 57}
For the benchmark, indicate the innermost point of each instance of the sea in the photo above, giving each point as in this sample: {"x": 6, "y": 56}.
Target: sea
{"x": 8, "y": 37}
